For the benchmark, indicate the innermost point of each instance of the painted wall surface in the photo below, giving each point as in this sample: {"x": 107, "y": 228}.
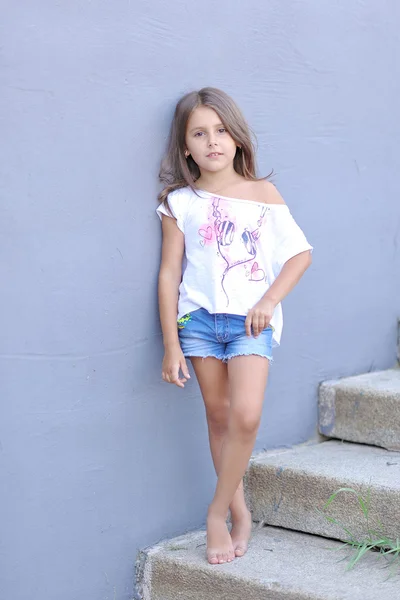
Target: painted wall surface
{"x": 98, "y": 456}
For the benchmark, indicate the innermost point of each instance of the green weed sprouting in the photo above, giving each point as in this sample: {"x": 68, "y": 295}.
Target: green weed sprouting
{"x": 375, "y": 540}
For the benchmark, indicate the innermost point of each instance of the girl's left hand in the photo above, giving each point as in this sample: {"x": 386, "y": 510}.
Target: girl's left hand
{"x": 259, "y": 316}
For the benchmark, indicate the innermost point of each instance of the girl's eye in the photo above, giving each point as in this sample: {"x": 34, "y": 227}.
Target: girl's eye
{"x": 220, "y": 130}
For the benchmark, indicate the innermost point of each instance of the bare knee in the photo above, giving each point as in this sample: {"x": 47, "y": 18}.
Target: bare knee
{"x": 218, "y": 417}
{"x": 244, "y": 423}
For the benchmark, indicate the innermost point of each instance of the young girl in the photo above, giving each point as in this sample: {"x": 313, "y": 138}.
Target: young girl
{"x": 231, "y": 252}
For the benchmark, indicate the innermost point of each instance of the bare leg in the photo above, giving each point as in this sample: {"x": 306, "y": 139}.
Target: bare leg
{"x": 247, "y": 377}
{"x": 212, "y": 375}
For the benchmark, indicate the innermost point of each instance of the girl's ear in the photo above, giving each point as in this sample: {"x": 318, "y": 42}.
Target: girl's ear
{"x": 186, "y": 153}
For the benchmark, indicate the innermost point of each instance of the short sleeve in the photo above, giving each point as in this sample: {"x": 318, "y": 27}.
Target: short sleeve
{"x": 289, "y": 238}
{"x": 176, "y": 203}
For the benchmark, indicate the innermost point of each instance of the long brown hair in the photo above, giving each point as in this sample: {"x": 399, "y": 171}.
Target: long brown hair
{"x": 177, "y": 171}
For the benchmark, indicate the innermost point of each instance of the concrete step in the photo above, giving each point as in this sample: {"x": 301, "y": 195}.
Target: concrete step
{"x": 280, "y": 565}
{"x": 286, "y": 488}
{"x": 364, "y": 409}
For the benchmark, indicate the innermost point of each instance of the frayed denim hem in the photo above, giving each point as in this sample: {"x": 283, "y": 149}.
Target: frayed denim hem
{"x": 205, "y": 356}
{"x": 233, "y": 355}
{"x": 225, "y": 359}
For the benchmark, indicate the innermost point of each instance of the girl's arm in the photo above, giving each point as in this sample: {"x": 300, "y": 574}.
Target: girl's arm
{"x": 290, "y": 275}
{"x": 260, "y": 315}
{"x": 169, "y": 279}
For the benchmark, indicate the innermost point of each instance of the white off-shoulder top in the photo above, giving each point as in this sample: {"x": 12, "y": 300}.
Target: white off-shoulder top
{"x": 234, "y": 250}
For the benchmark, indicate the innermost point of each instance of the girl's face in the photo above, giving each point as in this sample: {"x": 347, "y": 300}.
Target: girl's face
{"x": 207, "y": 140}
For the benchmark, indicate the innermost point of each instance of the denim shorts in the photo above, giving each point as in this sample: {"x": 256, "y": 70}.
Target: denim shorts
{"x": 221, "y": 335}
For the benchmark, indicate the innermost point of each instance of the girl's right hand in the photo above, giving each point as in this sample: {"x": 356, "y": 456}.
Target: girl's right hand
{"x": 172, "y": 362}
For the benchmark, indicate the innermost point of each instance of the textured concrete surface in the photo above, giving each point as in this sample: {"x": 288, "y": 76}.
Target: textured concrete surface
{"x": 364, "y": 409}
{"x": 280, "y": 565}
{"x": 287, "y": 488}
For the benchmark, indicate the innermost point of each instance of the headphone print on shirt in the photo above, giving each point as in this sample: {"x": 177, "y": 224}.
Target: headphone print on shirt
{"x": 234, "y": 247}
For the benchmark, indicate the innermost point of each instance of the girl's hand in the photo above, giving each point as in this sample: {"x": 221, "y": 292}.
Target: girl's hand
{"x": 259, "y": 316}
{"x": 173, "y": 361}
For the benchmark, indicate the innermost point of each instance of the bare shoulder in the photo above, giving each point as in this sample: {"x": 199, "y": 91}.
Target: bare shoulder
{"x": 267, "y": 192}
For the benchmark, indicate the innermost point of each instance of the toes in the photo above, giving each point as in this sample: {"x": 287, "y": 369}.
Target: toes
{"x": 240, "y": 551}
{"x": 222, "y": 558}
{"x": 215, "y": 558}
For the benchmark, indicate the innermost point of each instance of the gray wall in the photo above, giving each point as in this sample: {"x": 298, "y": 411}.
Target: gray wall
{"x": 98, "y": 456}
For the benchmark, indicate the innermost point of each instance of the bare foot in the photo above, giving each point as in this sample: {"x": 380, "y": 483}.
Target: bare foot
{"x": 219, "y": 543}
{"x": 241, "y": 532}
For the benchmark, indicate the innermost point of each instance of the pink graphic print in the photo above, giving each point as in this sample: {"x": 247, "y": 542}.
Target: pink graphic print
{"x": 206, "y": 233}
{"x": 256, "y": 273}
{"x": 235, "y": 248}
